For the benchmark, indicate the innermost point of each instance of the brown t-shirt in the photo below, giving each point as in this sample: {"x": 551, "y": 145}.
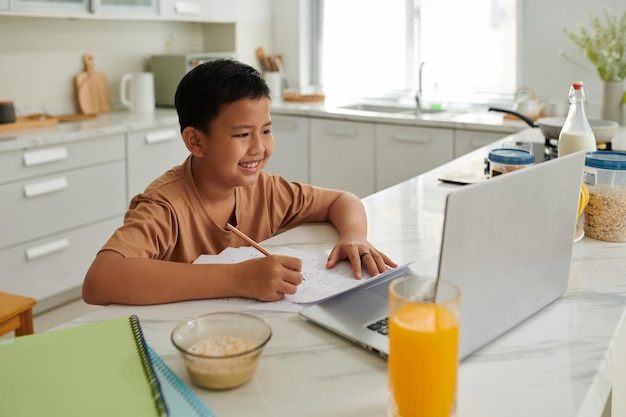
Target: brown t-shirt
{"x": 169, "y": 221}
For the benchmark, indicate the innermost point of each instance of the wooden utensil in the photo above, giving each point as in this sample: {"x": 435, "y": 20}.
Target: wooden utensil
{"x": 260, "y": 55}
{"x": 92, "y": 89}
{"x": 278, "y": 59}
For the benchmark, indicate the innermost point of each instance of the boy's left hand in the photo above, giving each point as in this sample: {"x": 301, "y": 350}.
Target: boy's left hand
{"x": 360, "y": 253}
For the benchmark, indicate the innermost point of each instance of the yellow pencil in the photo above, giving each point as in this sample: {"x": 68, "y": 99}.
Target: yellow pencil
{"x": 247, "y": 239}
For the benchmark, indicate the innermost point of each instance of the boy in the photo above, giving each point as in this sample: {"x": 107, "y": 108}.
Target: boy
{"x": 224, "y": 113}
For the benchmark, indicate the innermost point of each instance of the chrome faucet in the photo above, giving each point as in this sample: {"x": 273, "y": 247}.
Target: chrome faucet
{"x": 418, "y": 95}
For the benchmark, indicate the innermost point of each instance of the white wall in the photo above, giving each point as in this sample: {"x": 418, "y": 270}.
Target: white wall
{"x": 542, "y": 39}
{"x": 292, "y": 34}
{"x": 39, "y": 57}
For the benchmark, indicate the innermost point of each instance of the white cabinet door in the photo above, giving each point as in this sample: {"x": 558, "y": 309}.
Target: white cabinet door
{"x": 291, "y": 148}
{"x": 62, "y": 201}
{"x": 51, "y": 269}
{"x": 466, "y": 141}
{"x": 403, "y": 152}
{"x": 149, "y": 154}
{"x": 199, "y": 10}
{"x": 125, "y": 7}
{"x": 51, "y": 7}
{"x": 342, "y": 155}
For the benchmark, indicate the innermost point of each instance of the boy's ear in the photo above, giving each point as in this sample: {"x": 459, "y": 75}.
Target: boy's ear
{"x": 193, "y": 139}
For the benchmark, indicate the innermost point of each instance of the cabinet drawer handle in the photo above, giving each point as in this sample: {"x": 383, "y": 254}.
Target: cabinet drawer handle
{"x": 47, "y": 248}
{"x": 161, "y": 136}
{"x": 341, "y": 131}
{"x": 45, "y": 187}
{"x": 44, "y": 156}
{"x": 184, "y": 7}
{"x": 412, "y": 138}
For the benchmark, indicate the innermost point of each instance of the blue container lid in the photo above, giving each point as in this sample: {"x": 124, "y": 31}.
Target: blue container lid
{"x": 606, "y": 160}
{"x": 511, "y": 156}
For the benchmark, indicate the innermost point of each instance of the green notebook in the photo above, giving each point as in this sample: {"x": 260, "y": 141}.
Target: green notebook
{"x": 98, "y": 369}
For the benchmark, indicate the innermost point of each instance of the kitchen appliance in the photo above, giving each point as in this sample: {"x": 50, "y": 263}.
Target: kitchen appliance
{"x": 603, "y": 130}
{"x": 169, "y": 69}
{"x": 137, "y": 92}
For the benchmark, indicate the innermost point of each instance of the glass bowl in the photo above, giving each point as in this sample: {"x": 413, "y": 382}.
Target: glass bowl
{"x": 221, "y": 350}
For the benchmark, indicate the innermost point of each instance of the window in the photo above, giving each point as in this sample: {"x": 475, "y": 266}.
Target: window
{"x": 374, "y": 48}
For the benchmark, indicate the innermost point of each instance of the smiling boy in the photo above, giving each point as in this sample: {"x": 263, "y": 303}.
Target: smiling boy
{"x": 224, "y": 113}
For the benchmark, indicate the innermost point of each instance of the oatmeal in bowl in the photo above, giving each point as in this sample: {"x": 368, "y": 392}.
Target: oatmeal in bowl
{"x": 221, "y": 350}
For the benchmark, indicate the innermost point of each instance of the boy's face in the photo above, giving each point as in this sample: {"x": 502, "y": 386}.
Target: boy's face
{"x": 240, "y": 143}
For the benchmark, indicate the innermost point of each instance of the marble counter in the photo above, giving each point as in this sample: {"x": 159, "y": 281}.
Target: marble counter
{"x": 117, "y": 122}
{"x": 563, "y": 361}
{"x": 124, "y": 121}
{"x": 459, "y": 118}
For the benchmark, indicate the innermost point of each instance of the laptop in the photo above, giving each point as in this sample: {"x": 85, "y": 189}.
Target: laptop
{"x": 506, "y": 243}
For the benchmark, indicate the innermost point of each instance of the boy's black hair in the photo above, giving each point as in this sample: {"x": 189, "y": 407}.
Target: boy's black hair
{"x": 208, "y": 87}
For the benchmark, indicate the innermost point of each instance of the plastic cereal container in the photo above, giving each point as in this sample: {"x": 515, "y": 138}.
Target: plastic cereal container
{"x": 504, "y": 160}
{"x": 605, "y": 214}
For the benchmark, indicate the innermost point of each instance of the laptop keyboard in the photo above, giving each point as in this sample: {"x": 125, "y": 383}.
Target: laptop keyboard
{"x": 380, "y": 326}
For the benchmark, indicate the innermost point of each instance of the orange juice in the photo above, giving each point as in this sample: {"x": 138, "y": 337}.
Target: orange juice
{"x": 423, "y": 360}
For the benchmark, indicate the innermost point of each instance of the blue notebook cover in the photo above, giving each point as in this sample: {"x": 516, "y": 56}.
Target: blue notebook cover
{"x": 181, "y": 401}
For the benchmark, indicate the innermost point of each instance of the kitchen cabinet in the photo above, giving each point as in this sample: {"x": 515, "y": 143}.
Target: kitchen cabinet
{"x": 59, "y": 204}
{"x": 129, "y": 7}
{"x": 199, "y": 10}
{"x": 291, "y": 148}
{"x": 150, "y": 153}
{"x": 52, "y": 7}
{"x": 403, "y": 152}
{"x": 342, "y": 155}
{"x": 466, "y": 141}
{"x": 214, "y": 11}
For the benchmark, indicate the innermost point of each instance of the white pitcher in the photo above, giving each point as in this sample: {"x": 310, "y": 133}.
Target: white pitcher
{"x": 137, "y": 91}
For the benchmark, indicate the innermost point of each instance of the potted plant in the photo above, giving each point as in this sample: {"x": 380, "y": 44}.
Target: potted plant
{"x": 604, "y": 45}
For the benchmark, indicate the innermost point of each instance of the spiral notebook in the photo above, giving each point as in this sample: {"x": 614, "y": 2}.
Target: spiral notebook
{"x": 98, "y": 369}
{"x": 180, "y": 399}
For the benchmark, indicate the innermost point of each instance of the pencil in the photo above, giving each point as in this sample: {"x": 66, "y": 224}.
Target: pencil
{"x": 247, "y": 239}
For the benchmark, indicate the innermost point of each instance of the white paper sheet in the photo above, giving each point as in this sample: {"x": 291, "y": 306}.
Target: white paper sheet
{"x": 319, "y": 282}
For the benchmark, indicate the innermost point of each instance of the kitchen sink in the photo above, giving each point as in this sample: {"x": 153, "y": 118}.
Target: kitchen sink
{"x": 383, "y": 108}
{"x": 376, "y": 108}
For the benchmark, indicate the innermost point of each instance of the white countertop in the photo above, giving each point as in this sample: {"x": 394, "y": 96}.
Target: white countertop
{"x": 469, "y": 118}
{"x": 117, "y": 122}
{"x": 561, "y": 362}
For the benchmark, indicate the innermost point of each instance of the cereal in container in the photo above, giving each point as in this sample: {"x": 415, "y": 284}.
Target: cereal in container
{"x": 605, "y": 214}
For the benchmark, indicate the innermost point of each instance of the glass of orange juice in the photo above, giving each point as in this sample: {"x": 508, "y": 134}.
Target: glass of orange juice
{"x": 423, "y": 347}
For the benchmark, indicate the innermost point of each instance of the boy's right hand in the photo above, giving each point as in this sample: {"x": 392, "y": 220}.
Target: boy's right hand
{"x": 270, "y": 278}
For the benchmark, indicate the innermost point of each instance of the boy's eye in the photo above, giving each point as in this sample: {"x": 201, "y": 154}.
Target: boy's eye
{"x": 267, "y": 131}
{"x": 242, "y": 135}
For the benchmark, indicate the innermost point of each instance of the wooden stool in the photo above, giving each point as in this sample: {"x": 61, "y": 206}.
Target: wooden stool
{"x": 16, "y": 313}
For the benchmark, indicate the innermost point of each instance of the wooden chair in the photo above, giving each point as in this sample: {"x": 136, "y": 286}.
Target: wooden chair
{"x": 16, "y": 313}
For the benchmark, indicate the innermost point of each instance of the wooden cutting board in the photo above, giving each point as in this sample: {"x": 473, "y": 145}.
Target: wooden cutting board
{"x": 92, "y": 90}
{"x": 34, "y": 121}
{"x": 27, "y": 122}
